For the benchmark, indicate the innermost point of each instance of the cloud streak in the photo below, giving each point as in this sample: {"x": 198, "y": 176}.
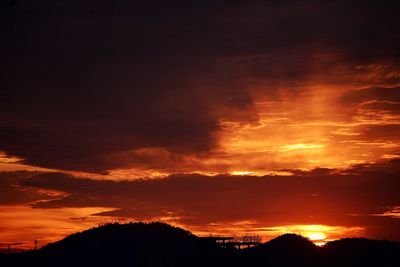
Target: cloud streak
{"x": 199, "y": 201}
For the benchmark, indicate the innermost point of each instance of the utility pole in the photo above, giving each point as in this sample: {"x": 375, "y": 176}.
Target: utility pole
{"x": 36, "y": 244}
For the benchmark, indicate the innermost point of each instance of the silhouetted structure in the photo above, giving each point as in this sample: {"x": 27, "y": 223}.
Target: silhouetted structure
{"x": 240, "y": 242}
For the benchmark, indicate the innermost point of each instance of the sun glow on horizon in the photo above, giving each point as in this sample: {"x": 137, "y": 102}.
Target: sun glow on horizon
{"x": 319, "y": 234}
{"x": 318, "y": 238}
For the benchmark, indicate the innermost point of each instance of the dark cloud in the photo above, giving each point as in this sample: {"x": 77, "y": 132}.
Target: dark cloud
{"x": 83, "y": 81}
{"x": 10, "y": 191}
{"x": 382, "y": 132}
{"x": 373, "y": 96}
{"x": 295, "y": 43}
{"x": 377, "y": 110}
{"x": 81, "y": 84}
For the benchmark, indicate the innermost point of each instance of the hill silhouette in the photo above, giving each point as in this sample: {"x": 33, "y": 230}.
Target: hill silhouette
{"x": 159, "y": 244}
{"x": 133, "y": 244}
{"x": 285, "y": 250}
{"x": 361, "y": 252}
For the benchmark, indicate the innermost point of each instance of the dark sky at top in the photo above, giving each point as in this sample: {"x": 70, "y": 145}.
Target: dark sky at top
{"x": 81, "y": 80}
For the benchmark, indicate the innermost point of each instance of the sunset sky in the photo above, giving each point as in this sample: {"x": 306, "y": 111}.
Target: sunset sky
{"x": 221, "y": 117}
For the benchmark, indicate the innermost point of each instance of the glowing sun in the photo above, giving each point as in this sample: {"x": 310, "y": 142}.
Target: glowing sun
{"x": 318, "y": 238}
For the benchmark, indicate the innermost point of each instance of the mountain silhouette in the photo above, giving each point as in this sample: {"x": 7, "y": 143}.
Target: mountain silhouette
{"x": 285, "y": 250}
{"x": 133, "y": 244}
{"x": 361, "y": 252}
{"x": 159, "y": 244}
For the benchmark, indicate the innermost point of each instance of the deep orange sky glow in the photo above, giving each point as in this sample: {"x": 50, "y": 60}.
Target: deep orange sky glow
{"x": 222, "y": 118}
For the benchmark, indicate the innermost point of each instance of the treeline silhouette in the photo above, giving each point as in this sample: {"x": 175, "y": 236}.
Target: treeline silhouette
{"x": 159, "y": 244}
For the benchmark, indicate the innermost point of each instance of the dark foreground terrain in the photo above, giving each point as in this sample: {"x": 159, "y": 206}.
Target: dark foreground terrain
{"x": 158, "y": 244}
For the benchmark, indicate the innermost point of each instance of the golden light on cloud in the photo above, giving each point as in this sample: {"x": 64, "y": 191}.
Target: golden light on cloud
{"x": 307, "y": 131}
{"x": 25, "y": 224}
{"x": 315, "y": 129}
{"x": 300, "y": 146}
{"x": 393, "y": 212}
{"x": 242, "y": 173}
{"x": 4, "y": 158}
